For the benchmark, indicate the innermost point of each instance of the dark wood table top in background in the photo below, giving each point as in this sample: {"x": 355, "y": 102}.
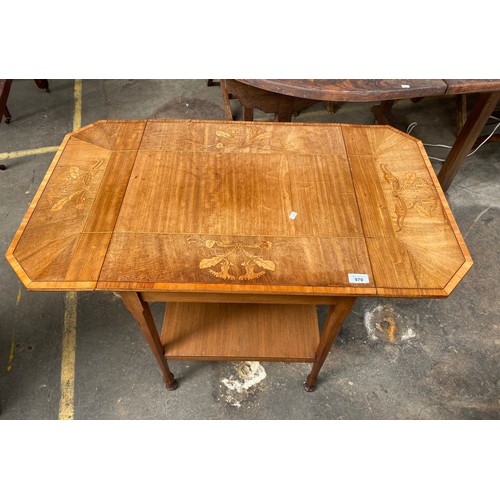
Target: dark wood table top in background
{"x": 352, "y": 90}
{"x": 369, "y": 90}
{"x": 470, "y": 86}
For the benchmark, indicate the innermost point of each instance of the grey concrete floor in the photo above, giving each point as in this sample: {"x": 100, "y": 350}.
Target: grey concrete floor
{"x": 443, "y": 365}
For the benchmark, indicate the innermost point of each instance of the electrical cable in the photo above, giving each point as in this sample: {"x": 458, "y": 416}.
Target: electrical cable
{"x": 494, "y": 130}
{"x": 412, "y": 125}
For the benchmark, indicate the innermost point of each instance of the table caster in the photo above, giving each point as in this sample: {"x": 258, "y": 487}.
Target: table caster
{"x": 309, "y": 387}
{"x": 172, "y": 386}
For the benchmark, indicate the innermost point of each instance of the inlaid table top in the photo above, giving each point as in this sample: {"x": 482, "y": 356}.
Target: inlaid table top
{"x": 214, "y": 206}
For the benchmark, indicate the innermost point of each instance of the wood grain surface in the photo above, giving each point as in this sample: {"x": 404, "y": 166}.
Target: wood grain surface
{"x": 468, "y": 86}
{"x": 240, "y": 332}
{"x": 244, "y": 208}
{"x": 352, "y": 90}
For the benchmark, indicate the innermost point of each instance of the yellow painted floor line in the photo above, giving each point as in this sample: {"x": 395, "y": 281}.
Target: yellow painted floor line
{"x": 77, "y": 116}
{"x": 67, "y": 402}
{"x": 28, "y": 152}
{"x": 13, "y": 341}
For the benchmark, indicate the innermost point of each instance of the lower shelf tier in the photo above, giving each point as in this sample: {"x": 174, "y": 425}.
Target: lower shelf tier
{"x": 246, "y": 332}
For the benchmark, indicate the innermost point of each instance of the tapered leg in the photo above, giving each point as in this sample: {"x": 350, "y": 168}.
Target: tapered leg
{"x": 142, "y": 314}
{"x": 336, "y": 316}
{"x": 473, "y": 126}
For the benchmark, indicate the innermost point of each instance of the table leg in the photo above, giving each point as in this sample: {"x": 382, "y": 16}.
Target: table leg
{"x": 247, "y": 114}
{"x": 336, "y": 316}
{"x": 7, "y": 114}
{"x": 225, "y": 99}
{"x": 473, "y": 126}
{"x": 461, "y": 105}
{"x": 142, "y": 314}
{"x": 285, "y": 109}
{"x": 4, "y": 95}
{"x": 43, "y": 84}
{"x": 383, "y": 113}
{"x": 331, "y": 107}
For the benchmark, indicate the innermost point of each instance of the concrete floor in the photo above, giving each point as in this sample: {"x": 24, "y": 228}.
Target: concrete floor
{"x": 443, "y": 364}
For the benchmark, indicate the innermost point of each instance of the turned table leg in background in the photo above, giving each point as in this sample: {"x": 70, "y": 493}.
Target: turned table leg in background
{"x": 4, "y": 95}
{"x": 336, "y": 315}
{"x": 468, "y": 134}
{"x": 383, "y": 113}
{"x": 7, "y": 114}
{"x": 43, "y": 84}
{"x": 142, "y": 314}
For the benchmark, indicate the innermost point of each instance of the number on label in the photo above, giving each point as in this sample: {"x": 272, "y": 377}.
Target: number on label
{"x": 358, "y": 278}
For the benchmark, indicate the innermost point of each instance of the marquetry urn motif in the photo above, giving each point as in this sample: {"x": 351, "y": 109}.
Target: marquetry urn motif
{"x": 236, "y": 260}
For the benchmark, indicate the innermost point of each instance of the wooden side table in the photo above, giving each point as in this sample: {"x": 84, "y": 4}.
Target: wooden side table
{"x": 242, "y": 228}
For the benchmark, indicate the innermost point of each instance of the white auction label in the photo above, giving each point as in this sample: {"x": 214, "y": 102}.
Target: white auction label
{"x": 358, "y": 278}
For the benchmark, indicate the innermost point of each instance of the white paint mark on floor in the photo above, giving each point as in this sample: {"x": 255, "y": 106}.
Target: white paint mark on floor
{"x": 408, "y": 334}
{"x": 243, "y": 383}
{"x": 370, "y": 324}
{"x": 383, "y": 323}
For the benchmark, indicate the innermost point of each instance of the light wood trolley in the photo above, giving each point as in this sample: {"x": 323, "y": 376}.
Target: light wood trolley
{"x": 242, "y": 228}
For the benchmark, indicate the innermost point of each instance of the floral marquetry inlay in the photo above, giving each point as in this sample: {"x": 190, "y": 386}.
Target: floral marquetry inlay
{"x": 79, "y": 195}
{"x": 236, "y": 260}
{"x": 412, "y": 193}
